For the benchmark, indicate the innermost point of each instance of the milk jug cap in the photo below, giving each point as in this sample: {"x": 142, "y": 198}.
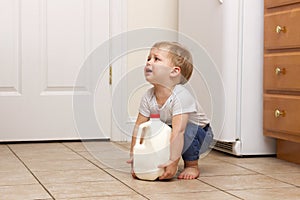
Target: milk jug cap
{"x": 155, "y": 115}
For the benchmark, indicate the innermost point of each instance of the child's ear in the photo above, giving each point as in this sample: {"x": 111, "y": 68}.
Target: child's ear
{"x": 176, "y": 71}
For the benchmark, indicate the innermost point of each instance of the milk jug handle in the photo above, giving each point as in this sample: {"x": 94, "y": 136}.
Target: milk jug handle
{"x": 142, "y": 128}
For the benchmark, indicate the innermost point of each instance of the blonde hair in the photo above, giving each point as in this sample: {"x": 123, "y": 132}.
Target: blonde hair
{"x": 179, "y": 56}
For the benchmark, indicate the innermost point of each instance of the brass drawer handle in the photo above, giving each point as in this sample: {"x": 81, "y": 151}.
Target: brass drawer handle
{"x": 280, "y": 29}
{"x": 279, "y": 113}
{"x": 279, "y": 71}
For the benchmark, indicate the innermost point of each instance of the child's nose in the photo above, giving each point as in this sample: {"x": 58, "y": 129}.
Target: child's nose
{"x": 149, "y": 61}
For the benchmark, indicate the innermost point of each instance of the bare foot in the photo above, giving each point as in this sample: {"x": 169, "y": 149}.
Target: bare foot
{"x": 190, "y": 171}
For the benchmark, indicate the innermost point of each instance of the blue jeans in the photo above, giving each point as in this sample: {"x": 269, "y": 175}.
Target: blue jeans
{"x": 196, "y": 141}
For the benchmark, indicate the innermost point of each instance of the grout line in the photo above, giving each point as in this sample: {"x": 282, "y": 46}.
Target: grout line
{"x": 219, "y": 189}
{"x": 237, "y": 165}
{"x": 256, "y": 172}
{"x": 31, "y": 172}
{"x": 95, "y": 164}
{"x": 291, "y": 184}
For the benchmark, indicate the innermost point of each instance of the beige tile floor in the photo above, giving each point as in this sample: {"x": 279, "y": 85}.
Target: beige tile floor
{"x": 97, "y": 170}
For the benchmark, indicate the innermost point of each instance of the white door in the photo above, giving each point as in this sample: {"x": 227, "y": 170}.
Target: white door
{"x": 43, "y": 45}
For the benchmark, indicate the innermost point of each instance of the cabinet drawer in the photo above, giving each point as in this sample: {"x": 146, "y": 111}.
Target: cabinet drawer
{"x": 277, "y": 3}
{"x": 282, "y": 71}
{"x": 281, "y": 114}
{"x": 282, "y": 29}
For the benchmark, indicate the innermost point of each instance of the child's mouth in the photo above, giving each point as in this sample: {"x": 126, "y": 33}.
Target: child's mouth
{"x": 148, "y": 70}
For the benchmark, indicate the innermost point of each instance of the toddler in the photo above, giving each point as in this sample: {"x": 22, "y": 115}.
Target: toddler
{"x": 169, "y": 66}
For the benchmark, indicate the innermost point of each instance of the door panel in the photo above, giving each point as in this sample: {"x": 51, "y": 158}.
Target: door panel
{"x": 10, "y": 59}
{"x": 45, "y": 43}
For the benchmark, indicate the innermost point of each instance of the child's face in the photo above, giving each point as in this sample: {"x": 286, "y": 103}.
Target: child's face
{"x": 158, "y": 67}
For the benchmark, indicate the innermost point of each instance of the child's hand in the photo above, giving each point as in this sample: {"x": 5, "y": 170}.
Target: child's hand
{"x": 170, "y": 168}
{"x": 130, "y": 161}
{"x": 133, "y": 174}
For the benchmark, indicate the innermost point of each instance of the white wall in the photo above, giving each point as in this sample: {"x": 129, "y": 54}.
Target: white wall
{"x": 144, "y": 14}
{"x": 154, "y": 13}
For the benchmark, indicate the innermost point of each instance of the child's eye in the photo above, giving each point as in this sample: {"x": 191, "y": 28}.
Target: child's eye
{"x": 156, "y": 58}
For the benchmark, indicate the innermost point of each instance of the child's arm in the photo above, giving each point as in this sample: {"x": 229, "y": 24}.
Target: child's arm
{"x": 179, "y": 123}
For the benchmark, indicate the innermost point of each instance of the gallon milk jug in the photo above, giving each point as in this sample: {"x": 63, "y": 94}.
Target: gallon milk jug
{"x": 152, "y": 148}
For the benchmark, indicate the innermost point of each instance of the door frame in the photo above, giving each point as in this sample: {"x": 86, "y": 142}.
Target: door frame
{"x": 118, "y": 25}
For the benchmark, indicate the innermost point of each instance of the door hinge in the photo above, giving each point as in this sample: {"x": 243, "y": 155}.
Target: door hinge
{"x": 110, "y": 74}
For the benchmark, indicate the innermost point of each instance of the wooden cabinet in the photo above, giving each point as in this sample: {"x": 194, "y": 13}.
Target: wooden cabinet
{"x": 282, "y": 76}
{"x": 282, "y": 72}
{"x": 278, "y": 3}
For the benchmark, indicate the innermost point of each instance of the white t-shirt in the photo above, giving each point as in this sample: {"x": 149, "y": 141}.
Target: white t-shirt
{"x": 180, "y": 102}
